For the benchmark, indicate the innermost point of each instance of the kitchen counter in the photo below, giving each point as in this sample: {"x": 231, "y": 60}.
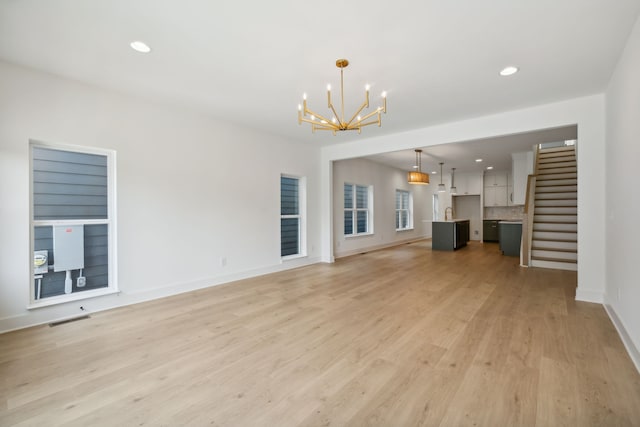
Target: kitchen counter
{"x": 449, "y": 235}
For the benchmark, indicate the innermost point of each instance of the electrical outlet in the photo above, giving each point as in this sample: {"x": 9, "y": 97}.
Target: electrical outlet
{"x": 81, "y": 282}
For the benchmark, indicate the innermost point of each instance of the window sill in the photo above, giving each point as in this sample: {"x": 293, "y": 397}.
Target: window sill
{"x": 352, "y": 236}
{"x": 404, "y": 229}
{"x": 61, "y": 299}
{"x": 291, "y": 257}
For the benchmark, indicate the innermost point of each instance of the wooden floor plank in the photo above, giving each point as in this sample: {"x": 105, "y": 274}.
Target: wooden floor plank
{"x": 400, "y": 336}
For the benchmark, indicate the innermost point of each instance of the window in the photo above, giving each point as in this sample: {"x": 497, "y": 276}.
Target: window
{"x": 357, "y": 209}
{"x": 73, "y": 224}
{"x": 404, "y": 210}
{"x": 292, "y": 205}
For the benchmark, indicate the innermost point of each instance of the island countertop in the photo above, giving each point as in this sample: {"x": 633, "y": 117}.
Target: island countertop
{"x": 454, "y": 220}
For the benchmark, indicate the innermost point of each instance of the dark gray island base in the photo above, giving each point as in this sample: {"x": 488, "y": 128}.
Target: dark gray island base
{"x": 449, "y": 235}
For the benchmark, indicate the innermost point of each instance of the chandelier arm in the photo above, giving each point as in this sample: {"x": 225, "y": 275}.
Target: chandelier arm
{"x": 320, "y": 124}
{"x": 320, "y": 117}
{"x": 335, "y": 114}
{"x": 370, "y": 115}
{"x": 360, "y": 124}
{"x": 364, "y": 104}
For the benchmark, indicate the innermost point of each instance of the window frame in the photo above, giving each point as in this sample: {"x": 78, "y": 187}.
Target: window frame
{"x": 409, "y": 210}
{"x": 110, "y": 221}
{"x": 354, "y": 210}
{"x": 301, "y": 216}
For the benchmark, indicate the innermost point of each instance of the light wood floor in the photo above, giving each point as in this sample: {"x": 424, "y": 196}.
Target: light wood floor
{"x": 396, "y": 337}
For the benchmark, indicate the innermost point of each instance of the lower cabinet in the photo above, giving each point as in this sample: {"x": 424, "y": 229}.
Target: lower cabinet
{"x": 490, "y": 230}
{"x": 449, "y": 235}
{"x": 510, "y": 238}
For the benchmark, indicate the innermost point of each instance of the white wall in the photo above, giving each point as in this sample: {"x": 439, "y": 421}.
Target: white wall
{"x": 190, "y": 190}
{"x": 587, "y": 112}
{"x": 385, "y": 181}
{"x": 623, "y": 195}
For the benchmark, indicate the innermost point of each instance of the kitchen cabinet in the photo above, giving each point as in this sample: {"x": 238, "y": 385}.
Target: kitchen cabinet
{"x": 495, "y": 196}
{"x": 496, "y": 189}
{"x": 510, "y": 237}
{"x": 490, "y": 230}
{"x": 522, "y": 164}
{"x": 468, "y": 183}
{"x": 449, "y": 235}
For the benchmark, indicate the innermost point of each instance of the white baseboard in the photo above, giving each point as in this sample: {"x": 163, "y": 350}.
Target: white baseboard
{"x": 589, "y": 296}
{"x": 64, "y": 311}
{"x": 634, "y": 354}
{"x": 378, "y": 247}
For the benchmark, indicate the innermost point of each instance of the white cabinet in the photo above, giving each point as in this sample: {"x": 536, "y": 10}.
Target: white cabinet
{"x": 468, "y": 183}
{"x": 495, "y": 196}
{"x": 496, "y": 189}
{"x": 522, "y": 167}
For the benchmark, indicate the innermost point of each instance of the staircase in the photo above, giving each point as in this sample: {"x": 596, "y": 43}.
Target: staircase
{"x": 554, "y": 243}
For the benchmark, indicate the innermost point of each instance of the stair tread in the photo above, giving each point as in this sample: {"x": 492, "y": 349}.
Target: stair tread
{"x": 546, "y": 239}
{"x": 568, "y": 261}
{"x": 547, "y": 249}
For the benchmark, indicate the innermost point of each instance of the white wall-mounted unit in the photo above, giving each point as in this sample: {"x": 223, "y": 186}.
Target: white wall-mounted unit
{"x": 68, "y": 247}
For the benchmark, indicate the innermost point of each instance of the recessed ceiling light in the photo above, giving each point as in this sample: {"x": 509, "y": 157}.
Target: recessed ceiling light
{"x": 478, "y": 160}
{"x": 434, "y": 172}
{"x": 489, "y": 167}
{"x": 139, "y": 46}
{"x": 507, "y": 71}
{"x": 415, "y": 166}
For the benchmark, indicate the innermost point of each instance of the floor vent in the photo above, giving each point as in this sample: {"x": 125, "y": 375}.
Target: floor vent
{"x": 73, "y": 319}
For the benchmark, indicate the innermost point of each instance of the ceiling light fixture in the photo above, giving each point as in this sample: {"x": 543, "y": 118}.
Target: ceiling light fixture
{"x": 478, "y": 160}
{"x": 489, "y": 168}
{"x": 441, "y": 187}
{"x": 508, "y": 71}
{"x": 139, "y": 46}
{"x": 418, "y": 177}
{"x": 338, "y": 122}
{"x": 453, "y": 188}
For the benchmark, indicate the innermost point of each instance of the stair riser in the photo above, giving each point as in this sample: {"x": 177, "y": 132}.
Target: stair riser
{"x": 552, "y": 165}
{"x": 557, "y": 170}
{"x": 572, "y": 219}
{"x": 550, "y": 210}
{"x": 557, "y": 196}
{"x": 554, "y": 182}
{"x": 555, "y": 255}
{"x": 547, "y": 203}
{"x": 551, "y": 151}
{"x": 545, "y": 160}
{"x": 557, "y": 189}
{"x": 547, "y": 176}
{"x": 546, "y": 244}
{"x": 554, "y": 265}
{"x": 545, "y": 226}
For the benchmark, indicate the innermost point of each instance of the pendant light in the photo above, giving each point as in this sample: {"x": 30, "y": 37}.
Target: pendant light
{"x": 441, "y": 187}
{"x": 453, "y": 188}
{"x": 418, "y": 177}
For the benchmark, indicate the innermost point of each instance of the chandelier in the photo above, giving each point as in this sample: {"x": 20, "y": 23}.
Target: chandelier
{"x": 418, "y": 177}
{"x": 337, "y": 122}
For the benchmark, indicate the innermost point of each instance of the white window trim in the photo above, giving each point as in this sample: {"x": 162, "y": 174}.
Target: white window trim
{"x": 112, "y": 286}
{"x": 302, "y": 218}
{"x": 354, "y": 210}
{"x": 409, "y": 210}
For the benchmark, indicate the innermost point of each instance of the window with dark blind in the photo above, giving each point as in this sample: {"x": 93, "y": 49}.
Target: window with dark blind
{"x": 404, "y": 219}
{"x": 291, "y": 216}
{"x": 357, "y": 209}
{"x": 72, "y": 223}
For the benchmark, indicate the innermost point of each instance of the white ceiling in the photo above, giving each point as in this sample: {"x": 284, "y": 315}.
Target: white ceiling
{"x": 495, "y": 152}
{"x": 249, "y": 62}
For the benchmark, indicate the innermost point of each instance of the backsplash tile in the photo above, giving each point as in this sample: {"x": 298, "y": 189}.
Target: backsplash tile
{"x": 504, "y": 212}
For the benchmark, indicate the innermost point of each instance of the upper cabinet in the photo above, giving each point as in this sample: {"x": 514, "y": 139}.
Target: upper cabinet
{"x": 468, "y": 183}
{"x": 522, "y": 168}
{"x": 496, "y": 189}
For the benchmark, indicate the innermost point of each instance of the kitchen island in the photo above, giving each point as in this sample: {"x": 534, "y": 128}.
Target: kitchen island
{"x": 449, "y": 235}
